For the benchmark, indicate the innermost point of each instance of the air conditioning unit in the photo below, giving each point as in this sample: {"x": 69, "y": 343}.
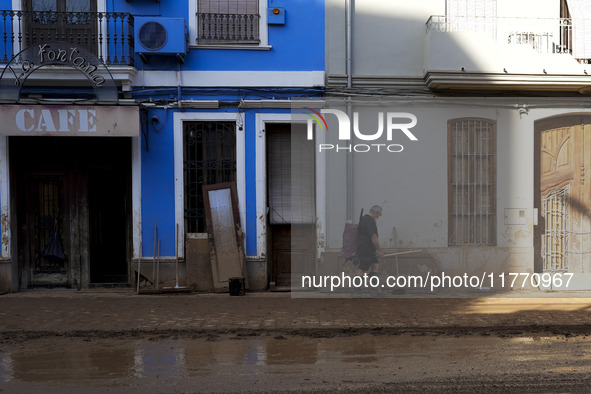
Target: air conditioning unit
{"x": 161, "y": 36}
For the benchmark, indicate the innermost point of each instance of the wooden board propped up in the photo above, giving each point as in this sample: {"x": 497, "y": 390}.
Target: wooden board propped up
{"x": 226, "y": 249}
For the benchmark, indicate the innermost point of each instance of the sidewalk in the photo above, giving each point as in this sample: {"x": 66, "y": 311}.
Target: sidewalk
{"x": 69, "y": 312}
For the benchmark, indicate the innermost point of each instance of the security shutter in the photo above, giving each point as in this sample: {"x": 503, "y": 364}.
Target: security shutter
{"x": 290, "y": 175}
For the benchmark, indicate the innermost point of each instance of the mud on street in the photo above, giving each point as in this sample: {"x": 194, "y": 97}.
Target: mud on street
{"x": 89, "y": 342}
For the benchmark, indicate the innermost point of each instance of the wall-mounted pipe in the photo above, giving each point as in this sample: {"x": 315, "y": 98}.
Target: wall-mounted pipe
{"x": 349, "y": 46}
{"x": 349, "y": 70}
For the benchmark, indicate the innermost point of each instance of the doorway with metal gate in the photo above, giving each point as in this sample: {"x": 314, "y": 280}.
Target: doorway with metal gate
{"x": 71, "y": 196}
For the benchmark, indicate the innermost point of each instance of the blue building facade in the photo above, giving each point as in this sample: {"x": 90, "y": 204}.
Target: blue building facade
{"x": 203, "y": 95}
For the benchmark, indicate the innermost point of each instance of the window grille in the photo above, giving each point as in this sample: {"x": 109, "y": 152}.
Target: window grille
{"x": 228, "y": 22}
{"x": 472, "y": 182}
{"x": 556, "y": 233}
{"x": 209, "y": 158}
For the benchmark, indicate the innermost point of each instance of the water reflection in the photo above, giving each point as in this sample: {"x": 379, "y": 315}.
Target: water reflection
{"x": 78, "y": 359}
{"x": 161, "y": 358}
{"x": 5, "y": 368}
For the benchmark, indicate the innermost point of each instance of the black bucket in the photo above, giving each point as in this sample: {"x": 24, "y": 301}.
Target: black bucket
{"x": 237, "y": 286}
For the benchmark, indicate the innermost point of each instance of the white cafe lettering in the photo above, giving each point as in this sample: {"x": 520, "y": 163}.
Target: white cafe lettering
{"x": 56, "y": 120}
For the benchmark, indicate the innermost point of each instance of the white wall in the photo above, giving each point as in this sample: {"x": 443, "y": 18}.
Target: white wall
{"x": 389, "y": 39}
{"x": 387, "y": 36}
{"x": 412, "y": 185}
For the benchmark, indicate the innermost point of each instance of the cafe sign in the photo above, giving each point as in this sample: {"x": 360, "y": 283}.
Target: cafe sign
{"x": 69, "y": 121}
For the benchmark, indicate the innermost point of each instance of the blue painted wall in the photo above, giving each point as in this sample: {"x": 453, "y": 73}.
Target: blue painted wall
{"x": 158, "y": 182}
{"x": 298, "y": 45}
{"x": 137, "y": 7}
{"x": 158, "y": 187}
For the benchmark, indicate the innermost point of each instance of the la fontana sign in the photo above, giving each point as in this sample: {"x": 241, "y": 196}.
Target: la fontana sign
{"x": 58, "y": 120}
{"x": 68, "y": 56}
{"x": 58, "y": 55}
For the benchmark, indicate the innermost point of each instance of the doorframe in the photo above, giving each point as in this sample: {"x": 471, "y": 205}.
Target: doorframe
{"x": 8, "y": 224}
{"x": 262, "y": 119}
{"x": 5, "y": 223}
{"x": 179, "y": 183}
{"x": 540, "y": 125}
{"x": 8, "y": 252}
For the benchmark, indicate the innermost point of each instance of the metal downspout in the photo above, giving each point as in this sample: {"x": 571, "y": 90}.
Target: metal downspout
{"x": 348, "y": 60}
{"x": 349, "y": 50}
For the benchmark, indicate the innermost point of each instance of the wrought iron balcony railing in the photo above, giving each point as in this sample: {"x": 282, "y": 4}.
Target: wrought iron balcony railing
{"x": 215, "y": 28}
{"x": 109, "y": 35}
{"x": 544, "y": 35}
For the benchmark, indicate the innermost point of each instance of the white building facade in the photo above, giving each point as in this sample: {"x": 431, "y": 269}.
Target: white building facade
{"x": 496, "y": 180}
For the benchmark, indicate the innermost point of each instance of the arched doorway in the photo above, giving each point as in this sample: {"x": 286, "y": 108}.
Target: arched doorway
{"x": 562, "y": 196}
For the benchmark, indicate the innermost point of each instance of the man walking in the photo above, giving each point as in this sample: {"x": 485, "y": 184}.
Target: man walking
{"x": 368, "y": 242}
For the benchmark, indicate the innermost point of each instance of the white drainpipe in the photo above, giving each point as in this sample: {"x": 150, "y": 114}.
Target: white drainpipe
{"x": 348, "y": 60}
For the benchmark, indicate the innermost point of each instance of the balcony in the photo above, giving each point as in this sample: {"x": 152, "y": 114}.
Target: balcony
{"x": 506, "y": 53}
{"x": 109, "y": 35}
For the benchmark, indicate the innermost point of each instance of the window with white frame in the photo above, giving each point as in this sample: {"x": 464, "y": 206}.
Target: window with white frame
{"x": 472, "y": 181}
{"x": 221, "y": 22}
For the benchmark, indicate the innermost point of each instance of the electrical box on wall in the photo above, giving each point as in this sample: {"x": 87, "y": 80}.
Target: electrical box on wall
{"x": 276, "y": 16}
{"x": 515, "y": 216}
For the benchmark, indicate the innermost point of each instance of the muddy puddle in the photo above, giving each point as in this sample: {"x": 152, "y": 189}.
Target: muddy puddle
{"x": 220, "y": 363}
{"x": 63, "y": 359}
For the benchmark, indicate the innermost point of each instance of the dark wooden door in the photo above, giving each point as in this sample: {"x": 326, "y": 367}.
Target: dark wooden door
{"x": 293, "y": 252}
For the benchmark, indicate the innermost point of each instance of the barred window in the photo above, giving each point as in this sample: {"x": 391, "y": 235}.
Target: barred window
{"x": 209, "y": 158}
{"x": 228, "y": 22}
{"x": 472, "y": 181}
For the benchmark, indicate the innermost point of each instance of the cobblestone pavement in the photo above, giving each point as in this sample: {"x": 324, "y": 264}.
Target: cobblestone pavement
{"x": 61, "y": 312}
